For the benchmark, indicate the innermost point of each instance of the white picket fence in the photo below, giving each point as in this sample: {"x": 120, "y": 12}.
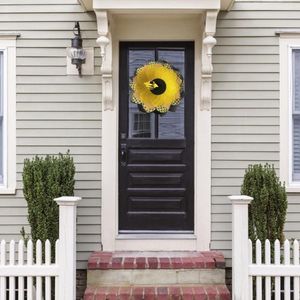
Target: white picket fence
{"x": 23, "y": 277}
{"x": 22, "y": 270}
{"x": 261, "y": 278}
{"x": 265, "y": 270}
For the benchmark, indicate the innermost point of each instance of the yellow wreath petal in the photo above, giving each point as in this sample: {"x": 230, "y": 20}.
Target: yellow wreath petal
{"x": 156, "y": 86}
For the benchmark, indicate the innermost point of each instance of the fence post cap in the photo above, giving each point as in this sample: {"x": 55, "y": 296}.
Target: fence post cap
{"x": 67, "y": 200}
{"x": 240, "y": 199}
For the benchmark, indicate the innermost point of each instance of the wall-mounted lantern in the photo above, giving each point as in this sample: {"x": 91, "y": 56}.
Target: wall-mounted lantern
{"x": 76, "y": 52}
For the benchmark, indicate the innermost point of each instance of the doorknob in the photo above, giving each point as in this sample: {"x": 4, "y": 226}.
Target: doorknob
{"x": 123, "y": 156}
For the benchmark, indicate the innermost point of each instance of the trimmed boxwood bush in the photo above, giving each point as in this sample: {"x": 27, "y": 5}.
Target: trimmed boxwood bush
{"x": 267, "y": 212}
{"x": 46, "y": 178}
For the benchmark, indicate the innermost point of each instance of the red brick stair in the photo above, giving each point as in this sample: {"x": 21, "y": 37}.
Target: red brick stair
{"x": 165, "y": 260}
{"x": 215, "y": 292}
{"x": 156, "y": 275}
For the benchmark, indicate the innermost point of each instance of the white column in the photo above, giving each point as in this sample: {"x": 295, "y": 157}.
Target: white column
{"x": 240, "y": 246}
{"x": 67, "y": 247}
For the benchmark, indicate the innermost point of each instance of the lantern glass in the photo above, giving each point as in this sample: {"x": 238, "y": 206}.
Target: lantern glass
{"x": 75, "y": 53}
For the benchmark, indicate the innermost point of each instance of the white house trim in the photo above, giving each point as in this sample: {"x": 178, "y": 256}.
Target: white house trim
{"x": 119, "y": 24}
{"x": 288, "y": 41}
{"x": 8, "y": 46}
{"x": 88, "y": 5}
{"x": 207, "y": 45}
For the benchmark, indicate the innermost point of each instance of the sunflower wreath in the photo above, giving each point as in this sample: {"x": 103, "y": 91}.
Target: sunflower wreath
{"x": 156, "y": 87}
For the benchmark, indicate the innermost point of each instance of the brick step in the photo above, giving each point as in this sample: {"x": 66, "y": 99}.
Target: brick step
{"x": 155, "y": 268}
{"x": 204, "y": 292}
{"x": 156, "y": 260}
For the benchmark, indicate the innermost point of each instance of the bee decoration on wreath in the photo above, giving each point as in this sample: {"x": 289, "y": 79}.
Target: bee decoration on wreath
{"x": 156, "y": 87}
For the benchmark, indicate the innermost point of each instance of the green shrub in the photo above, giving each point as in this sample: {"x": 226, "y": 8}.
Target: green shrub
{"x": 45, "y": 179}
{"x": 267, "y": 212}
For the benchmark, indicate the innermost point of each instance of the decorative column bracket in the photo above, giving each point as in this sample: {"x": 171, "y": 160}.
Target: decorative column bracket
{"x": 105, "y": 43}
{"x": 208, "y": 43}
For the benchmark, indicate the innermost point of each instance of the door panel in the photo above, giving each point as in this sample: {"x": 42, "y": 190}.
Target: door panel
{"x": 156, "y": 158}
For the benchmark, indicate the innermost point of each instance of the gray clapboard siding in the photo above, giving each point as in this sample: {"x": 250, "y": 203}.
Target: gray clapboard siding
{"x": 248, "y": 59}
{"x": 45, "y": 17}
{"x": 58, "y": 97}
{"x": 248, "y": 77}
{"x": 250, "y": 23}
{"x": 245, "y": 120}
{"x": 56, "y": 35}
{"x": 78, "y": 159}
{"x": 245, "y": 68}
{"x": 249, "y": 49}
{"x": 37, "y": 8}
{"x": 62, "y": 124}
{"x": 245, "y": 147}
{"x": 47, "y": 61}
{"x": 269, "y": 6}
{"x": 263, "y": 103}
{"x": 68, "y": 106}
{"x": 35, "y": 2}
{"x": 41, "y": 71}
{"x": 55, "y": 112}
{"x": 263, "y": 15}
{"x": 45, "y": 26}
{"x": 244, "y": 32}
{"x": 58, "y": 132}
{"x": 245, "y": 107}
{"x": 46, "y": 52}
{"x": 237, "y": 156}
{"x": 236, "y": 112}
{"x": 57, "y": 80}
{"x": 58, "y": 89}
{"x": 251, "y": 94}
{"x": 246, "y": 86}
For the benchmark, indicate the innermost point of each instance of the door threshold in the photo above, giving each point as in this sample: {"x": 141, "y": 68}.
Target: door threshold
{"x": 155, "y": 236}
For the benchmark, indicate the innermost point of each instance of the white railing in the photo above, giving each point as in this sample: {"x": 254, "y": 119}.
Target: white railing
{"x": 260, "y": 278}
{"x": 23, "y": 277}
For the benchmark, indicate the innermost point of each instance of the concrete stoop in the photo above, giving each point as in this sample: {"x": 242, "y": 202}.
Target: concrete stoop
{"x": 156, "y": 275}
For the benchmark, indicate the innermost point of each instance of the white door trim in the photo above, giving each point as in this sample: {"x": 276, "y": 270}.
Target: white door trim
{"x": 172, "y": 27}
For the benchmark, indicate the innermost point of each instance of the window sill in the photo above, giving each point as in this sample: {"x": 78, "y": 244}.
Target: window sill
{"x": 9, "y": 35}
{"x": 7, "y": 191}
{"x": 293, "y": 188}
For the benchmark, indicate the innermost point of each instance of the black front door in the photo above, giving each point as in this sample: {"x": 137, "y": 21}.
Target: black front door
{"x": 156, "y": 152}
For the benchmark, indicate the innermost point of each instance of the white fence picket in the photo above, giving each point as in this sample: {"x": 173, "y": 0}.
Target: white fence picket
{"x": 268, "y": 262}
{"x": 29, "y": 263}
{"x": 56, "y": 261}
{"x": 2, "y": 263}
{"x": 296, "y": 263}
{"x": 258, "y": 278}
{"x": 47, "y": 263}
{"x": 21, "y": 295}
{"x": 277, "y": 262}
{"x": 250, "y": 279}
{"x": 287, "y": 284}
{"x": 12, "y": 284}
{"x": 38, "y": 263}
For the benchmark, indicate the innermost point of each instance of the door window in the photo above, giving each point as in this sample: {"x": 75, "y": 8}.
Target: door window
{"x": 155, "y": 126}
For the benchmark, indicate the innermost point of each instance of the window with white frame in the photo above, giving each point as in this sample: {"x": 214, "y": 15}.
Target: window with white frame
{"x": 2, "y": 96}
{"x": 7, "y": 113}
{"x": 290, "y": 110}
{"x": 295, "y": 114}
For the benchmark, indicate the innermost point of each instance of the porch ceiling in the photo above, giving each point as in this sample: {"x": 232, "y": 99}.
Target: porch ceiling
{"x": 90, "y": 5}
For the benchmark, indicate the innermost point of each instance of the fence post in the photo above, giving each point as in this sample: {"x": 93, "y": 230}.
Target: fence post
{"x": 240, "y": 247}
{"x": 67, "y": 247}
